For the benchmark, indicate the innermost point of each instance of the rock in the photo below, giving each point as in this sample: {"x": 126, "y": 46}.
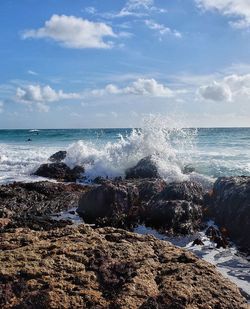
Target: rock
{"x": 176, "y": 209}
{"x": 217, "y": 237}
{"x": 58, "y": 156}
{"x": 231, "y": 208}
{"x": 109, "y": 204}
{"x": 149, "y": 188}
{"x": 173, "y": 207}
{"x": 100, "y": 180}
{"x": 78, "y": 267}
{"x": 145, "y": 168}
{"x": 188, "y": 169}
{"x": 31, "y": 204}
{"x": 60, "y": 172}
{"x": 174, "y": 217}
{"x": 198, "y": 242}
{"x": 186, "y": 190}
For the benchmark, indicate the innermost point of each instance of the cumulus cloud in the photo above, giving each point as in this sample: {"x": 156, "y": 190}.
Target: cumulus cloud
{"x": 37, "y": 93}
{"x": 216, "y": 92}
{"x": 142, "y": 87}
{"x": 41, "y": 95}
{"x": 73, "y": 32}
{"x": 230, "y": 88}
{"x": 161, "y": 29}
{"x": 239, "y": 9}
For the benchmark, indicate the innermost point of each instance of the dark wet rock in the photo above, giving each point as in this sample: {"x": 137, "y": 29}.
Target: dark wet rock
{"x": 79, "y": 267}
{"x": 188, "y": 169}
{"x": 230, "y": 208}
{"x": 109, "y": 204}
{"x": 149, "y": 188}
{"x": 60, "y": 172}
{"x": 145, "y": 168}
{"x": 100, "y": 180}
{"x": 174, "y": 216}
{"x": 197, "y": 242}
{"x": 175, "y": 208}
{"x": 58, "y": 156}
{"x": 31, "y": 204}
{"x": 187, "y": 190}
{"x": 217, "y": 237}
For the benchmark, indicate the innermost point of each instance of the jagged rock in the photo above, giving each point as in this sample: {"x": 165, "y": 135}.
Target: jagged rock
{"x": 60, "y": 172}
{"x": 31, "y": 204}
{"x": 174, "y": 216}
{"x": 217, "y": 237}
{"x": 111, "y": 203}
{"x": 173, "y": 207}
{"x": 230, "y": 208}
{"x": 177, "y": 208}
{"x": 148, "y": 188}
{"x": 58, "y": 156}
{"x": 186, "y": 190}
{"x": 78, "y": 267}
{"x": 145, "y": 168}
{"x": 197, "y": 242}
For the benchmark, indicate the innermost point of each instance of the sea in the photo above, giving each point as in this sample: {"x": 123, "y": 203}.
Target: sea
{"x": 209, "y": 152}
{"x": 200, "y": 154}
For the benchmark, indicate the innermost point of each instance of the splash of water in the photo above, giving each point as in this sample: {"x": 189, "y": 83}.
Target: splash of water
{"x": 165, "y": 140}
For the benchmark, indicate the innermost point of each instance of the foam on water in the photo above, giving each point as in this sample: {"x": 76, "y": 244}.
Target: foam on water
{"x": 17, "y": 162}
{"x": 169, "y": 145}
{"x": 109, "y": 152}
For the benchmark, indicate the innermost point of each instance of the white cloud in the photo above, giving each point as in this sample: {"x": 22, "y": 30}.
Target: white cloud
{"x": 1, "y": 106}
{"x": 161, "y": 29}
{"x": 136, "y": 8}
{"x": 142, "y": 87}
{"x": 230, "y": 88}
{"x": 216, "y": 92}
{"x": 73, "y": 32}
{"x": 90, "y": 10}
{"x": 239, "y": 10}
{"x": 32, "y": 72}
{"x": 37, "y": 93}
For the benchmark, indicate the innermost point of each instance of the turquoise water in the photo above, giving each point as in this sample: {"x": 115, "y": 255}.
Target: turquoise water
{"x": 213, "y": 152}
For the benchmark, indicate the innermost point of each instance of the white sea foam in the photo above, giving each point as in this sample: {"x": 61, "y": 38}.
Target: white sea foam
{"x": 212, "y": 152}
{"x": 18, "y": 162}
{"x": 169, "y": 145}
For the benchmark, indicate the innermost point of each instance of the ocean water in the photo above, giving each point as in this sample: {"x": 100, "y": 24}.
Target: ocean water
{"x": 212, "y": 152}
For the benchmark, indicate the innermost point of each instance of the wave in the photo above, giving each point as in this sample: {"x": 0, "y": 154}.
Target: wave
{"x": 169, "y": 145}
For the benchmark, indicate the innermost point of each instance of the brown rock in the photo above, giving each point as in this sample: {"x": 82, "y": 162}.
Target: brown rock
{"x": 78, "y": 267}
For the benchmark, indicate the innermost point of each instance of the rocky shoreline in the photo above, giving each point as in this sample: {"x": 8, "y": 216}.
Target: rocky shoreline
{"x": 48, "y": 263}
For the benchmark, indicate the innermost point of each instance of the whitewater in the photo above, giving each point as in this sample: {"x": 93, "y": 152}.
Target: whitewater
{"x": 210, "y": 152}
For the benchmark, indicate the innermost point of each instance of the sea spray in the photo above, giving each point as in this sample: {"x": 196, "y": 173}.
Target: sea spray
{"x": 165, "y": 140}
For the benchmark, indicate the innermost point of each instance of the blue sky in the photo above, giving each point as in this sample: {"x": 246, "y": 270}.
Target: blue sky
{"x": 93, "y": 63}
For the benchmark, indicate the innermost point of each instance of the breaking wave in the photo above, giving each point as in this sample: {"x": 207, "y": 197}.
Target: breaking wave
{"x": 170, "y": 146}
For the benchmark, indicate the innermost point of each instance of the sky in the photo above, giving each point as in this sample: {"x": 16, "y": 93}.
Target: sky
{"x": 95, "y": 63}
